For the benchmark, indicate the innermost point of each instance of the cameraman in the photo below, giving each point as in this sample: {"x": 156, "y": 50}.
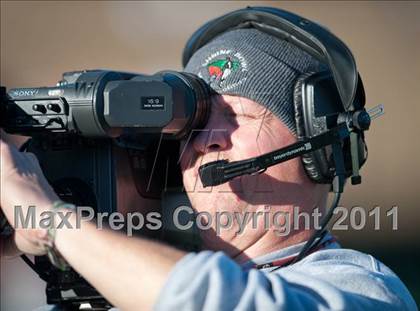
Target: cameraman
{"x": 254, "y": 74}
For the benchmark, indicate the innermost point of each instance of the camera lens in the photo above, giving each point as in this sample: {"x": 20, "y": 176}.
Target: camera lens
{"x": 191, "y": 102}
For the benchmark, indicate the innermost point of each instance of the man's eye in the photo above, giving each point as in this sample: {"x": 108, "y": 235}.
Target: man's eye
{"x": 238, "y": 115}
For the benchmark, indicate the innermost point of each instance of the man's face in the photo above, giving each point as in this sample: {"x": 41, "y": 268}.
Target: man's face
{"x": 238, "y": 129}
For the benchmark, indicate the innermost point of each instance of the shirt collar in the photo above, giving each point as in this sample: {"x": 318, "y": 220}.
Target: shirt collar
{"x": 292, "y": 250}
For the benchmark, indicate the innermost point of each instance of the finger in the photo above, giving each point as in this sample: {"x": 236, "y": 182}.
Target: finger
{"x": 16, "y": 140}
{"x": 27, "y": 243}
{"x": 32, "y": 157}
{"x": 5, "y": 155}
{"x": 11, "y": 161}
{"x": 5, "y": 137}
{"x": 9, "y": 154}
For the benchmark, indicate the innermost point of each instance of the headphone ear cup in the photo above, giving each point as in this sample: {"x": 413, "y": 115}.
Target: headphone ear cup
{"x": 316, "y": 163}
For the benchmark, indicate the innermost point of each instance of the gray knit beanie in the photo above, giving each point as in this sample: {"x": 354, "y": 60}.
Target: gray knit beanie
{"x": 254, "y": 65}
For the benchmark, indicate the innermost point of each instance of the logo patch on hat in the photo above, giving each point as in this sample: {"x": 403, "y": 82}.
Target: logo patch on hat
{"x": 218, "y": 66}
{"x": 222, "y": 68}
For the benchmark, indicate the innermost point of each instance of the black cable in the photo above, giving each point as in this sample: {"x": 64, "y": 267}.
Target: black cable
{"x": 319, "y": 240}
{"x": 309, "y": 245}
{"x": 338, "y": 186}
{"x": 319, "y": 234}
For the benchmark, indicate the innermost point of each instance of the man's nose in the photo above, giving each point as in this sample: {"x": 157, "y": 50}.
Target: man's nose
{"x": 211, "y": 139}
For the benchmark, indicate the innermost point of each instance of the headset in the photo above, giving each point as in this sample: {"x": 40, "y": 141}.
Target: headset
{"x": 329, "y": 106}
{"x": 316, "y": 95}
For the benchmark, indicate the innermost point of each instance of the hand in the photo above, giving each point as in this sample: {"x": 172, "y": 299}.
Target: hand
{"x": 23, "y": 184}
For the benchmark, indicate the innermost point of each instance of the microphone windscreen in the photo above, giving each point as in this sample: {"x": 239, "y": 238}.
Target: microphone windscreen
{"x": 212, "y": 174}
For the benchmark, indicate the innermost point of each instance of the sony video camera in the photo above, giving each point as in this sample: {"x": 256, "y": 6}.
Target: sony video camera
{"x": 78, "y": 131}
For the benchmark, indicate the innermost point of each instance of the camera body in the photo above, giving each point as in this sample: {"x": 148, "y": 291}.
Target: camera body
{"x": 91, "y": 123}
{"x": 108, "y": 104}
{"x": 75, "y": 125}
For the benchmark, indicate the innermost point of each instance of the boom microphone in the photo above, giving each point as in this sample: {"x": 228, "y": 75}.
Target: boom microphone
{"x": 221, "y": 171}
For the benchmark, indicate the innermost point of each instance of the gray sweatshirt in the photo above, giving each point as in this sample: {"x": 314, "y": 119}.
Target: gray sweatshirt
{"x": 329, "y": 279}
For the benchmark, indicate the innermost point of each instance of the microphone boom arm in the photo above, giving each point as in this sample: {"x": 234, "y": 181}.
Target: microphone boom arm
{"x": 221, "y": 171}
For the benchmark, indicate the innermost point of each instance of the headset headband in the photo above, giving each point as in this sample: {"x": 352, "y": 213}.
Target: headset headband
{"x": 307, "y": 35}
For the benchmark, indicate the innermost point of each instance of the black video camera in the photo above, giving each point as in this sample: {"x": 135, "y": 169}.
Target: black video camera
{"x": 80, "y": 128}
